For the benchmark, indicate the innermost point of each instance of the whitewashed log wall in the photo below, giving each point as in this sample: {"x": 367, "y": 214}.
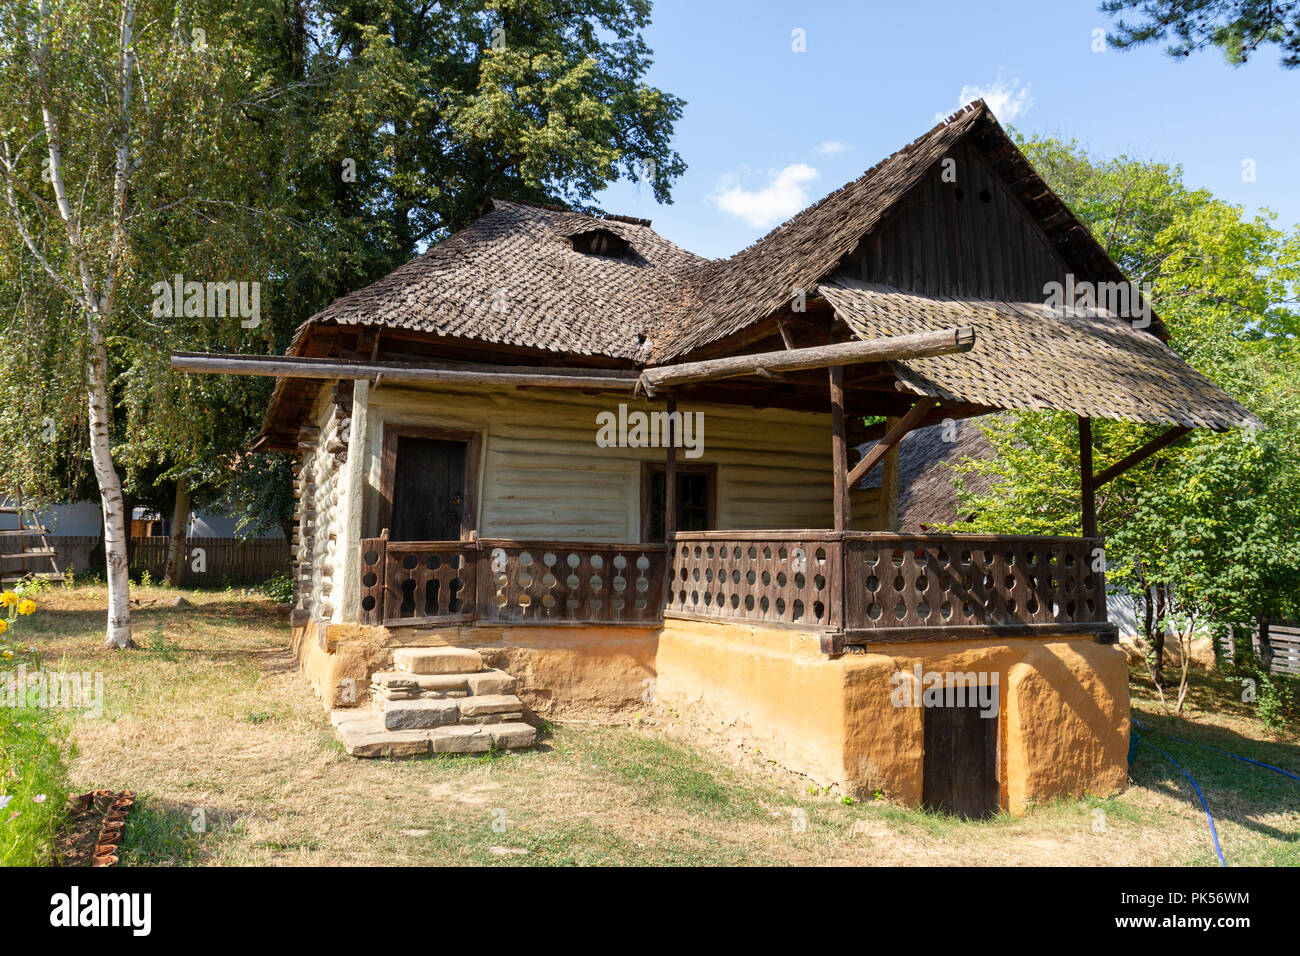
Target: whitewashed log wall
{"x": 542, "y": 475}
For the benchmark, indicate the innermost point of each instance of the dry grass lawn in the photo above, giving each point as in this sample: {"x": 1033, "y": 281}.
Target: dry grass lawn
{"x": 235, "y": 764}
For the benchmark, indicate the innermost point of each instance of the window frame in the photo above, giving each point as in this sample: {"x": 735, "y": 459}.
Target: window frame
{"x": 650, "y": 468}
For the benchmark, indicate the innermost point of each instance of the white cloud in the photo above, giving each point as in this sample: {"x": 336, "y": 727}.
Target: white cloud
{"x": 833, "y": 147}
{"x": 1009, "y": 101}
{"x": 780, "y": 199}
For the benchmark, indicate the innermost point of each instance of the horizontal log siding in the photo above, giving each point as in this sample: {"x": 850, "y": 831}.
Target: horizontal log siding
{"x": 543, "y": 475}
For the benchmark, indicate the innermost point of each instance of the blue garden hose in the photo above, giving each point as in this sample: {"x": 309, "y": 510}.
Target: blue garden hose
{"x": 1213, "y": 832}
{"x": 1229, "y": 753}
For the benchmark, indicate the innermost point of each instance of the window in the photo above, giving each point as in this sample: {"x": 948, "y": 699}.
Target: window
{"x": 428, "y": 484}
{"x": 696, "y": 497}
{"x": 601, "y": 242}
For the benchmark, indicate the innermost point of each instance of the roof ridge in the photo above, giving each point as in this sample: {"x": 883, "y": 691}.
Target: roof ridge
{"x": 903, "y": 150}
{"x": 554, "y": 207}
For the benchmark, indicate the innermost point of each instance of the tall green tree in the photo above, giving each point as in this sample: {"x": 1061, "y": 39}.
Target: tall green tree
{"x": 307, "y": 147}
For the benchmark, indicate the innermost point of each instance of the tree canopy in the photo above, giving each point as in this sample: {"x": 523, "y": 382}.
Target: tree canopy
{"x": 1236, "y": 27}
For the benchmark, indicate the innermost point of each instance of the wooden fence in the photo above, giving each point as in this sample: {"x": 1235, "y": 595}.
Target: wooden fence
{"x": 223, "y": 559}
{"x": 1285, "y": 638}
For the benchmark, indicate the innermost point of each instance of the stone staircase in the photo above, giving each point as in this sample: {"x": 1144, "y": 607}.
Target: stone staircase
{"x": 436, "y": 700}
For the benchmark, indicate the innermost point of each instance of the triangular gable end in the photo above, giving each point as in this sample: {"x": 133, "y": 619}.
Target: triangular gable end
{"x": 959, "y": 232}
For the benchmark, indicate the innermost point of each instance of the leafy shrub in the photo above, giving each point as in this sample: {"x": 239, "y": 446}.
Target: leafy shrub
{"x": 279, "y": 587}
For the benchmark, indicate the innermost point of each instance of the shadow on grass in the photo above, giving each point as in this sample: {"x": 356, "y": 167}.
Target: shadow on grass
{"x": 164, "y": 833}
{"x": 1236, "y": 791}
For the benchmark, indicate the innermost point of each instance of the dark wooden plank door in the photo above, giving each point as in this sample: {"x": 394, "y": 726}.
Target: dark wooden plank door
{"x": 428, "y": 490}
{"x": 960, "y": 762}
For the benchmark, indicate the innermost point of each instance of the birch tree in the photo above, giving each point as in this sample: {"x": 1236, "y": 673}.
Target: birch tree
{"x": 124, "y": 157}
{"x": 86, "y": 260}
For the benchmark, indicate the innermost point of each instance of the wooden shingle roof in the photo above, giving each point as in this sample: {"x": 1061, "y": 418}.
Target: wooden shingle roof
{"x": 514, "y": 278}
{"x": 927, "y": 495}
{"x": 1085, "y": 361}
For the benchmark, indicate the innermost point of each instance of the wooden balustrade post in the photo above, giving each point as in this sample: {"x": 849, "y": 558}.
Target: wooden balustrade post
{"x": 670, "y": 472}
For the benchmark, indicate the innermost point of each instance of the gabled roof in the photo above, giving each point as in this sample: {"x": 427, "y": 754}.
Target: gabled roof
{"x": 514, "y": 278}
{"x": 728, "y": 295}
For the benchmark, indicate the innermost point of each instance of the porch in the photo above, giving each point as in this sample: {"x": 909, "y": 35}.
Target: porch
{"x": 853, "y": 588}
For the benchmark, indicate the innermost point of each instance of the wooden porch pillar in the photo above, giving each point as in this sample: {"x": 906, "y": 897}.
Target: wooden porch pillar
{"x": 670, "y": 470}
{"x": 839, "y": 450}
{"x": 1087, "y": 485}
{"x": 348, "y": 603}
{"x": 889, "y": 481}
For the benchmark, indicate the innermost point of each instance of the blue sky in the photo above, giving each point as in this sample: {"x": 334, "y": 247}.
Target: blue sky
{"x": 759, "y": 116}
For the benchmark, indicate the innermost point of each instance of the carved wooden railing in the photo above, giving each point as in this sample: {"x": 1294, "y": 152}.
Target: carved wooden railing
{"x": 785, "y": 577}
{"x": 555, "y": 582}
{"x": 418, "y": 582}
{"x": 875, "y": 587}
{"x": 909, "y": 587}
{"x": 861, "y": 587}
{"x": 524, "y": 582}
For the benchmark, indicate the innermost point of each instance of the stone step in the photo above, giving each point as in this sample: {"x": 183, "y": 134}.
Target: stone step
{"x": 364, "y": 735}
{"x": 489, "y": 681}
{"x": 420, "y": 713}
{"x": 437, "y": 660}
{"x": 425, "y": 712}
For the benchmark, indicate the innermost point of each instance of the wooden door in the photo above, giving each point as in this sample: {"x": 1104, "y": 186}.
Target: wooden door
{"x": 960, "y": 764}
{"x": 428, "y": 489}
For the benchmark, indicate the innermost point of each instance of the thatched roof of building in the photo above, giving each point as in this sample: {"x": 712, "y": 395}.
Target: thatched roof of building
{"x": 525, "y": 278}
{"x": 1087, "y": 361}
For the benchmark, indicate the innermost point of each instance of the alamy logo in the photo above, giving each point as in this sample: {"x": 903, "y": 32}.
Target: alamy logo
{"x": 55, "y": 690}
{"x": 1118, "y": 298}
{"x": 213, "y": 300}
{"x": 73, "y": 909}
{"x": 917, "y": 688}
{"x": 640, "y": 429}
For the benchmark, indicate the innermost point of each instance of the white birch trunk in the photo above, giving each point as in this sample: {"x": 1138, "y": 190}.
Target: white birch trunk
{"x": 97, "y": 301}
{"x": 118, "y": 634}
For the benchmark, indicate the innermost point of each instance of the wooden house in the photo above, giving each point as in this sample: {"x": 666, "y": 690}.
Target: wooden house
{"x": 470, "y": 553}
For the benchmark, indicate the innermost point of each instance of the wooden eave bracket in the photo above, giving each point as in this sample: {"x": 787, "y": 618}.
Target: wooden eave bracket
{"x": 1164, "y": 440}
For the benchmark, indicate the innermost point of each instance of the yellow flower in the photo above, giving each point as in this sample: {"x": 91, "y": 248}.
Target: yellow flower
{"x": 7, "y": 655}
{"x": 4, "y": 626}
{"x": 26, "y": 606}
{"x": 8, "y": 599}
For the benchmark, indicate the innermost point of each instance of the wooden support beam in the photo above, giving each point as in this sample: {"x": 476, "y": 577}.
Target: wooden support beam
{"x": 288, "y": 366}
{"x": 1087, "y": 487}
{"x": 865, "y": 433}
{"x": 1146, "y": 451}
{"x": 877, "y": 451}
{"x": 889, "y": 348}
{"x": 889, "y": 484}
{"x": 839, "y": 450}
{"x": 670, "y": 472}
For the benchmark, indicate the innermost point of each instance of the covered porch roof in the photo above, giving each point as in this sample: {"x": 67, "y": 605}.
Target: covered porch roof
{"x": 1026, "y": 357}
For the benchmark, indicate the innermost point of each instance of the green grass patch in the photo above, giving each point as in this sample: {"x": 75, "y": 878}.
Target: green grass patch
{"x": 34, "y": 751}
{"x": 160, "y": 836}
